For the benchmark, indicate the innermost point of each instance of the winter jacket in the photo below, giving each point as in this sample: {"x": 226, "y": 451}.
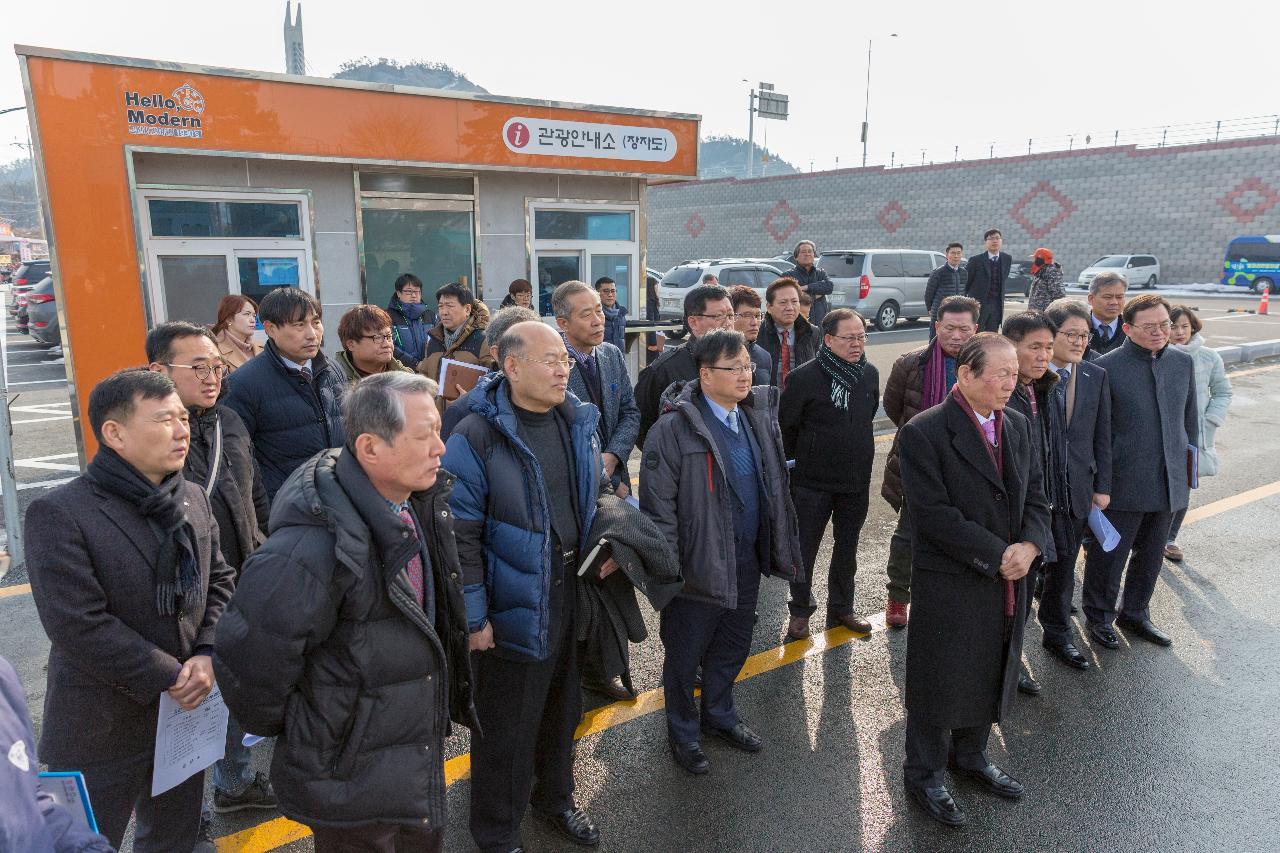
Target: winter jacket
{"x": 684, "y": 489}
{"x": 676, "y": 364}
{"x": 902, "y": 393}
{"x": 1213, "y": 394}
{"x": 615, "y": 326}
{"x": 833, "y": 448}
{"x": 238, "y": 499}
{"x": 348, "y": 367}
{"x": 325, "y": 647}
{"x": 944, "y": 282}
{"x": 762, "y": 363}
{"x": 288, "y": 420}
{"x": 805, "y": 339}
{"x": 816, "y": 283}
{"x": 503, "y": 517}
{"x": 1046, "y": 286}
{"x": 410, "y": 324}
{"x": 469, "y": 347}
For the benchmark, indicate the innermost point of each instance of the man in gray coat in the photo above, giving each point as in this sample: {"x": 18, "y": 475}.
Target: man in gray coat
{"x": 1154, "y": 420}
{"x": 714, "y": 480}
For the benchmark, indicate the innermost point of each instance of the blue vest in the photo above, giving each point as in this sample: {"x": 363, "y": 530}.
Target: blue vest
{"x": 738, "y": 450}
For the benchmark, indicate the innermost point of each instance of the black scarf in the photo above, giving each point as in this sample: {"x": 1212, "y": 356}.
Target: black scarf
{"x": 844, "y": 375}
{"x": 161, "y": 506}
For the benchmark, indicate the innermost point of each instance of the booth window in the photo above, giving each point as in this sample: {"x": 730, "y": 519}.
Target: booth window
{"x": 581, "y": 225}
{"x": 223, "y": 219}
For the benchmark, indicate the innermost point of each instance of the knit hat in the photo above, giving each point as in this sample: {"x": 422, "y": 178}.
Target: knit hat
{"x": 1040, "y": 259}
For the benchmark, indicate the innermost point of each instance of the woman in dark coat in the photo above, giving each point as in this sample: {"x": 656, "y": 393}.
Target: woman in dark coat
{"x": 812, "y": 278}
{"x": 1046, "y": 281}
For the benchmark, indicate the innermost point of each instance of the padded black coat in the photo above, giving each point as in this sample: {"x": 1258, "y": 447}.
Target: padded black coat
{"x": 833, "y": 448}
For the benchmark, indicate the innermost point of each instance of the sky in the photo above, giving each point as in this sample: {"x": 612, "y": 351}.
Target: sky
{"x": 956, "y": 74}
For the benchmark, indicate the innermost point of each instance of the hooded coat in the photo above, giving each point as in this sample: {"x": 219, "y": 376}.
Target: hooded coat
{"x": 1213, "y": 395}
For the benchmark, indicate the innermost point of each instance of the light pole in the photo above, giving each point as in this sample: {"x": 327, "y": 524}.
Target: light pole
{"x": 866, "y": 102}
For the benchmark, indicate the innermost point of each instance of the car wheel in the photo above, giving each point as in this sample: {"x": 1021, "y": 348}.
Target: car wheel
{"x": 887, "y": 316}
{"x": 1261, "y": 284}
{"x": 1151, "y": 282}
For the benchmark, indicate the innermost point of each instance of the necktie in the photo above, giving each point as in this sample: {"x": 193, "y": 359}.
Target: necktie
{"x": 733, "y": 421}
{"x": 989, "y": 430}
{"x": 414, "y": 567}
{"x": 1064, "y": 374}
{"x": 785, "y": 359}
{"x": 305, "y": 373}
{"x": 1104, "y": 333}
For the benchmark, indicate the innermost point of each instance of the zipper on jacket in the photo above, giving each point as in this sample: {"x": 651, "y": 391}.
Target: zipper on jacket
{"x": 711, "y": 486}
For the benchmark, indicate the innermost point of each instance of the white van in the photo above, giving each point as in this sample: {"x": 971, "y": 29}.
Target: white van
{"x": 882, "y": 285}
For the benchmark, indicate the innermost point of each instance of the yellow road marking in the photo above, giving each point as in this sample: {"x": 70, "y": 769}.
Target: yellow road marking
{"x": 16, "y": 589}
{"x": 1233, "y": 502}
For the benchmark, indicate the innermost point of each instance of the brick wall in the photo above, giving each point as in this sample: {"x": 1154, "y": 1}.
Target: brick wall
{"x": 1182, "y": 203}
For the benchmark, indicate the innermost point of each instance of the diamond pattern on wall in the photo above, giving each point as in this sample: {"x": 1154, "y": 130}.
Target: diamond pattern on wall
{"x": 1249, "y": 199}
{"x": 892, "y": 216}
{"x": 695, "y": 225}
{"x": 1032, "y": 213}
{"x": 781, "y": 221}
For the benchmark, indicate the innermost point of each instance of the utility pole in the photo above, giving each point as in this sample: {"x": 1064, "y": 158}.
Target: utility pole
{"x": 751, "y": 133}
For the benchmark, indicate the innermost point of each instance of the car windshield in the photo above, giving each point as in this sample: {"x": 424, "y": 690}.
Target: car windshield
{"x": 841, "y": 265}
{"x": 1111, "y": 261}
{"x": 682, "y": 277}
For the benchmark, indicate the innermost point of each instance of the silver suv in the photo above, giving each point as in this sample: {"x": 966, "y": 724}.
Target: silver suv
{"x": 754, "y": 273}
{"x": 882, "y": 285}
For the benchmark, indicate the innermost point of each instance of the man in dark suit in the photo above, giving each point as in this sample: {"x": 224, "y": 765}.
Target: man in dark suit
{"x": 129, "y": 584}
{"x": 746, "y": 319}
{"x": 785, "y": 334}
{"x": 971, "y": 467}
{"x": 1154, "y": 419}
{"x": 1081, "y": 478}
{"x": 987, "y": 272}
{"x": 1106, "y": 301}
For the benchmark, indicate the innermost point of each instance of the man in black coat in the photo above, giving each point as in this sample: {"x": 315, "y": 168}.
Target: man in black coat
{"x": 1106, "y": 302}
{"x": 972, "y": 470}
{"x": 289, "y": 394}
{"x": 220, "y": 461}
{"x": 706, "y": 307}
{"x": 1083, "y": 401}
{"x": 986, "y": 273}
{"x": 129, "y": 583}
{"x": 785, "y": 334}
{"x": 347, "y": 634}
{"x": 1154, "y": 420}
{"x": 826, "y": 416}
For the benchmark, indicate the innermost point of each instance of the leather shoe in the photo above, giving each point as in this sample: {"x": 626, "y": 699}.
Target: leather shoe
{"x": 1103, "y": 635}
{"x": 1068, "y": 654}
{"x": 690, "y": 757}
{"x": 895, "y": 614}
{"x": 1028, "y": 686}
{"x": 798, "y": 628}
{"x": 996, "y": 781}
{"x": 575, "y": 825}
{"x": 739, "y": 737}
{"x": 613, "y": 688}
{"x": 853, "y": 622}
{"x": 938, "y": 803}
{"x": 1173, "y": 553}
{"x": 1075, "y": 609}
{"x": 1145, "y": 629}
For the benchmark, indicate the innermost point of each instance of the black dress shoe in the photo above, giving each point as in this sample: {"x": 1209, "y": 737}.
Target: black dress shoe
{"x": 739, "y": 737}
{"x": 1068, "y": 654}
{"x": 613, "y": 688}
{"x": 575, "y": 825}
{"x": 938, "y": 803}
{"x": 1104, "y": 636}
{"x": 1145, "y": 629}
{"x": 1028, "y": 685}
{"x": 996, "y": 781}
{"x": 690, "y": 757}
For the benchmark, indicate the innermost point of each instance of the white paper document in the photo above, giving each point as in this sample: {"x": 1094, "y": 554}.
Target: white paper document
{"x": 187, "y": 742}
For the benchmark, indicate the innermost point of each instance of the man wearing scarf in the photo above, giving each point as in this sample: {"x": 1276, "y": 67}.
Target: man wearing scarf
{"x": 920, "y": 379}
{"x": 129, "y": 583}
{"x": 826, "y": 416}
{"x": 219, "y": 461}
{"x": 972, "y": 468}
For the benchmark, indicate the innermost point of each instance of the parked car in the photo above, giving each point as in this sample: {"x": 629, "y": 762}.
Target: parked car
{"x": 1138, "y": 270}
{"x": 27, "y": 276}
{"x": 1019, "y": 280}
{"x": 756, "y": 274}
{"x": 883, "y": 285}
{"x": 42, "y": 310}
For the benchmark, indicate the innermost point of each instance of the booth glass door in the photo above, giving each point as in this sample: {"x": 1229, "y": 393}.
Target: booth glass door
{"x": 432, "y": 238}
{"x": 554, "y": 269}
{"x": 191, "y": 281}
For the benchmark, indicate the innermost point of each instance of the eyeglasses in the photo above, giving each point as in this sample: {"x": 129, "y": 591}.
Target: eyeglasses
{"x": 1075, "y": 337}
{"x": 749, "y": 315}
{"x": 848, "y": 339}
{"x": 203, "y": 371}
{"x": 736, "y": 370}
{"x": 566, "y": 363}
{"x": 720, "y": 319}
{"x": 379, "y": 339}
{"x": 411, "y": 291}
{"x": 1152, "y": 328}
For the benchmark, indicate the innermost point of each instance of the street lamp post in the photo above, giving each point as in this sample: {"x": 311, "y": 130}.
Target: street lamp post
{"x": 866, "y": 102}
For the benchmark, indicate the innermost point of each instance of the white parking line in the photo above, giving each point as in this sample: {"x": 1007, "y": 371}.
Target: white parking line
{"x": 43, "y": 484}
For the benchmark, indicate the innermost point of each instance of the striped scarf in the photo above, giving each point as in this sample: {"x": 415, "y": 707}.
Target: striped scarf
{"x": 845, "y": 375}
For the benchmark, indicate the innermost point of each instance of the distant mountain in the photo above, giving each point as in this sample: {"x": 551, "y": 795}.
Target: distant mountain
{"x": 429, "y": 75}
{"x": 726, "y": 157}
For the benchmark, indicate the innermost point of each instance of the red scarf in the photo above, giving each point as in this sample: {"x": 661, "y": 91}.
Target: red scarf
{"x": 997, "y": 458}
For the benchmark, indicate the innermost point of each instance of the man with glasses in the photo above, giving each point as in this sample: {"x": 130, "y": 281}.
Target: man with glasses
{"x": 714, "y": 480}
{"x": 411, "y": 320}
{"x": 746, "y": 319}
{"x": 706, "y": 307}
{"x": 615, "y": 315}
{"x": 826, "y": 419}
{"x": 785, "y": 334}
{"x": 985, "y": 277}
{"x": 220, "y": 461}
{"x": 368, "y": 343}
{"x": 1154, "y": 421}
{"x": 1106, "y": 302}
{"x": 528, "y": 465}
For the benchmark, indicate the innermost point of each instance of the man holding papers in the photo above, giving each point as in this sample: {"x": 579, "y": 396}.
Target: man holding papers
{"x": 129, "y": 584}
{"x": 1154, "y": 418}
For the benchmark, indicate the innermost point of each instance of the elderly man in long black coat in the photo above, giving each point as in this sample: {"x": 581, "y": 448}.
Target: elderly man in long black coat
{"x": 971, "y": 467}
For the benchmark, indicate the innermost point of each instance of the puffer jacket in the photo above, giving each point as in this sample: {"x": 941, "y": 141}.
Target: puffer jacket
{"x": 288, "y": 420}
{"x": 615, "y": 326}
{"x": 684, "y": 490}
{"x": 902, "y": 393}
{"x": 410, "y": 324}
{"x": 503, "y": 517}
{"x": 324, "y": 646}
{"x": 1046, "y": 286}
{"x": 1213, "y": 394}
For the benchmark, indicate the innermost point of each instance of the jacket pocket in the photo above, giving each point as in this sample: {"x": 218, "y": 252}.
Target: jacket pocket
{"x": 350, "y": 749}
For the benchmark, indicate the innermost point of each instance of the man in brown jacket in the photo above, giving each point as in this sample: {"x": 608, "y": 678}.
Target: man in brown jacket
{"x": 920, "y": 379}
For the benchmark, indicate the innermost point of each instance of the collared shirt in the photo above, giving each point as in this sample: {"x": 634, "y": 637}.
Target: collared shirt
{"x": 575, "y": 353}
{"x": 1112, "y": 326}
{"x": 1058, "y": 368}
{"x": 294, "y": 364}
{"x": 721, "y": 413}
{"x": 992, "y": 258}
{"x": 785, "y": 334}
{"x": 982, "y": 419}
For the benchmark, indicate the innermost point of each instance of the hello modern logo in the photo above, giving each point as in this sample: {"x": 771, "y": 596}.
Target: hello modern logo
{"x": 180, "y": 113}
